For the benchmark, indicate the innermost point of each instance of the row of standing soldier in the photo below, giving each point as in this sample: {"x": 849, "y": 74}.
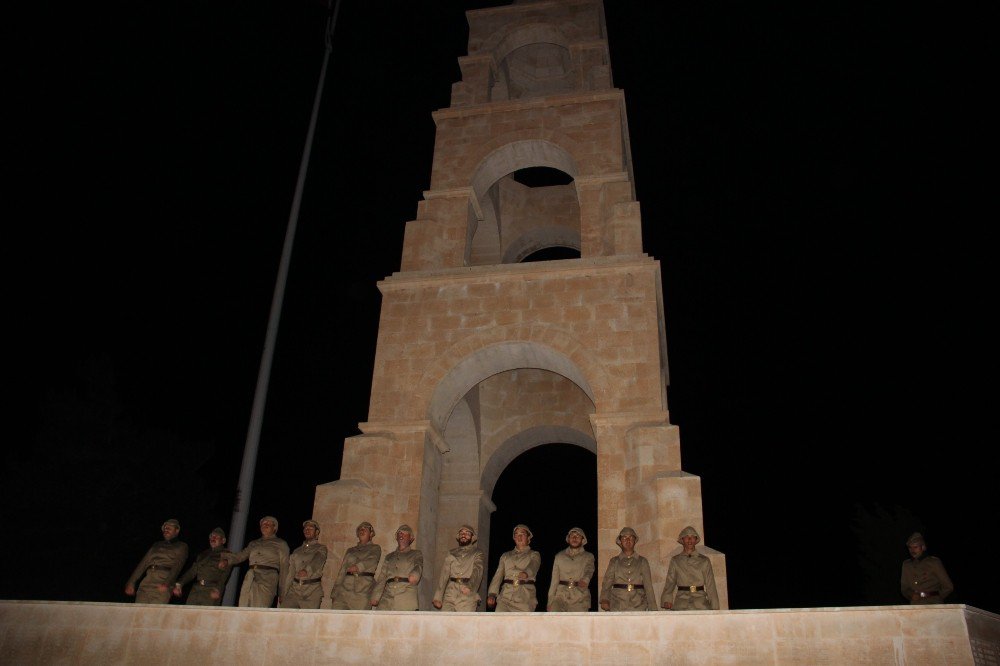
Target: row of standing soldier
{"x": 296, "y": 578}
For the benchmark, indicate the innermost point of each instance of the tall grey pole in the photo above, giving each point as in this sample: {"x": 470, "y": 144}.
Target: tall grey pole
{"x": 237, "y": 530}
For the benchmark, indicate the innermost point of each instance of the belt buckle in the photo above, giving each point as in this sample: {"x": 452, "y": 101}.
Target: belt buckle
{"x": 201, "y": 582}
{"x": 571, "y": 584}
{"x": 517, "y": 581}
{"x": 693, "y": 588}
{"x": 923, "y": 595}
{"x": 630, "y": 587}
{"x": 354, "y": 573}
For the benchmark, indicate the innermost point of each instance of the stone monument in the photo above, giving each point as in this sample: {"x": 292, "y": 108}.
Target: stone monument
{"x": 481, "y": 357}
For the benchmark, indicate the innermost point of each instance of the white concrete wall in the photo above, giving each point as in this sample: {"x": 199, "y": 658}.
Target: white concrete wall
{"x": 104, "y": 633}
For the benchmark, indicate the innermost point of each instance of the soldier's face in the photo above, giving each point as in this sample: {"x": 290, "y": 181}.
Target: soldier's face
{"x": 403, "y": 540}
{"x": 214, "y": 540}
{"x": 689, "y": 542}
{"x": 521, "y": 539}
{"x": 170, "y": 531}
{"x": 464, "y": 537}
{"x": 364, "y": 535}
{"x": 575, "y": 540}
{"x": 309, "y": 532}
{"x": 916, "y": 549}
{"x": 267, "y": 528}
{"x": 628, "y": 542}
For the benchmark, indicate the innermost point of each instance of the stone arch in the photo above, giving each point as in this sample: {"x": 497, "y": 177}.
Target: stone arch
{"x": 538, "y": 239}
{"x": 533, "y": 59}
{"x": 522, "y": 33}
{"x": 494, "y": 350}
{"x": 518, "y": 150}
{"x": 525, "y": 441}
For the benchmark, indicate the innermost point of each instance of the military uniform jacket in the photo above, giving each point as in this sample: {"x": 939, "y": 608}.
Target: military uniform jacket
{"x": 686, "y": 571}
{"x": 398, "y": 595}
{"x": 461, "y": 562}
{"x": 310, "y": 556}
{"x": 269, "y": 552}
{"x": 206, "y": 572}
{"x": 575, "y": 566}
{"x": 632, "y": 570}
{"x": 925, "y": 574}
{"x": 365, "y": 558}
{"x": 161, "y": 564}
{"x": 520, "y": 597}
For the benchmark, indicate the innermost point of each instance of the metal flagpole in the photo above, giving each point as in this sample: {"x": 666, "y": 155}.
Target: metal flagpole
{"x": 237, "y": 530}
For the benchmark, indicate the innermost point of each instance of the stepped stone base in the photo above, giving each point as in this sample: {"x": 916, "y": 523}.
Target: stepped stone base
{"x": 34, "y": 632}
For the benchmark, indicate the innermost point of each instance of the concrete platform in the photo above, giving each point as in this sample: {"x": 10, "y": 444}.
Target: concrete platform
{"x": 35, "y": 632}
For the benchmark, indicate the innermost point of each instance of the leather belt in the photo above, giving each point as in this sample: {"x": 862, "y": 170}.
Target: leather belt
{"x": 363, "y": 573}
{"x": 928, "y": 594}
{"x": 399, "y": 579}
{"x": 628, "y": 586}
{"x": 460, "y": 580}
{"x": 265, "y": 567}
{"x": 570, "y": 583}
{"x": 158, "y": 567}
{"x": 516, "y": 582}
{"x": 305, "y": 581}
{"x": 691, "y": 588}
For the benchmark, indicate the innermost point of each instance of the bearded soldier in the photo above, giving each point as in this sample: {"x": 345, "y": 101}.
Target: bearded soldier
{"x": 458, "y": 585}
{"x": 305, "y": 569}
{"x": 352, "y": 589}
{"x": 513, "y": 584}
{"x": 690, "y": 580}
{"x": 268, "y": 557}
{"x": 923, "y": 579}
{"x": 209, "y": 579}
{"x": 571, "y": 573}
{"x": 628, "y": 584}
{"x": 396, "y": 585}
{"x": 159, "y": 567}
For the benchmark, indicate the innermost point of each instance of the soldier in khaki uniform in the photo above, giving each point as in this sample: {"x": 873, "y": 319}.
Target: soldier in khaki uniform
{"x": 159, "y": 567}
{"x": 690, "y": 580}
{"x": 513, "y": 586}
{"x": 572, "y": 570}
{"x": 923, "y": 579}
{"x": 268, "y": 557}
{"x": 396, "y": 585}
{"x": 628, "y": 584}
{"x": 458, "y": 584}
{"x": 352, "y": 589}
{"x": 209, "y": 579}
{"x": 305, "y": 571}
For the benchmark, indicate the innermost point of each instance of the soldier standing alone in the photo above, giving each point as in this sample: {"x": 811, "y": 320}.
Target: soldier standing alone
{"x": 923, "y": 579}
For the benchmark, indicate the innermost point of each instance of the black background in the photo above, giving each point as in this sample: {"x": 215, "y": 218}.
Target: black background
{"x": 811, "y": 179}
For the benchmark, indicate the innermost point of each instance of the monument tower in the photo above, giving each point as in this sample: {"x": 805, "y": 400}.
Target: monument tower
{"x": 481, "y": 358}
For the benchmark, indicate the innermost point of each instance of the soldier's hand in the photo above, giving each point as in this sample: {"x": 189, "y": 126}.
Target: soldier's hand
{"x": 353, "y": 569}
{"x": 491, "y": 601}
{"x": 374, "y": 602}
{"x": 437, "y": 604}
{"x": 302, "y": 573}
{"x": 414, "y": 579}
{"x": 523, "y": 575}
{"x": 667, "y": 605}
{"x": 223, "y": 563}
{"x": 215, "y": 594}
{"x": 606, "y": 605}
{"x": 177, "y": 590}
{"x": 465, "y": 590}
{"x": 130, "y": 590}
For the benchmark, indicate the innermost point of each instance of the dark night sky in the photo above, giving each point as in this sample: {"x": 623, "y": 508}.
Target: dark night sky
{"x": 809, "y": 178}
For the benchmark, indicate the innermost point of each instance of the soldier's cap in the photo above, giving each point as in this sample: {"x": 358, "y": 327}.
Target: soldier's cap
{"x": 366, "y": 525}
{"x": 170, "y": 521}
{"x": 626, "y": 531}
{"x": 471, "y": 529}
{"x": 916, "y": 539}
{"x": 311, "y": 522}
{"x": 578, "y": 531}
{"x": 688, "y": 531}
{"x": 405, "y": 528}
{"x": 270, "y": 519}
{"x": 218, "y": 531}
{"x": 521, "y": 526}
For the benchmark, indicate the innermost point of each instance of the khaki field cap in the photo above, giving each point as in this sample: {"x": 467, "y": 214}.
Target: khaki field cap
{"x": 171, "y": 521}
{"x": 626, "y": 531}
{"x": 311, "y": 522}
{"x": 270, "y": 519}
{"x": 405, "y": 528}
{"x": 218, "y": 532}
{"x": 578, "y": 531}
{"x": 916, "y": 539}
{"x": 688, "y": 531}
{"x": 520, "y": 526}
{"x": 366, "y": 525}
{"x": 471, "y": 529}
